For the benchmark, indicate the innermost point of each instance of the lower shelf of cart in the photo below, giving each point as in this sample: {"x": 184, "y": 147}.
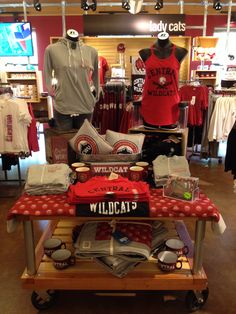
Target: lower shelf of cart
{"x": 89, "y": 275}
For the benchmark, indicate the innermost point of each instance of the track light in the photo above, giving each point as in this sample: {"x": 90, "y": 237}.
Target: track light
{"x": 217, "y": 5}
{"x": 126, "y": 5}
{"x": 37, "y": 5}
{"x": 93, "y": 6}
{"x": 84, "y": 5}
{"x": 159, "y": 5}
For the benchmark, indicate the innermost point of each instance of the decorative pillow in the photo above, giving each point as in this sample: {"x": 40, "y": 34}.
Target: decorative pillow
{"x": 88, "y": 141}
{"x": 125, "y": 143}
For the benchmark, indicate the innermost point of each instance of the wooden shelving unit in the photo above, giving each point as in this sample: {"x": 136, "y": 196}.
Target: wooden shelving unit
{"x": 28, "y": 84}
{"x": 203, "y": 51}
{"x": 205, "y": 41}
{"x": 206, "y": 76}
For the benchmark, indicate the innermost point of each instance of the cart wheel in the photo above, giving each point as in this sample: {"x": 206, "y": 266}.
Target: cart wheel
{"x": 43, "y": 301}
{"x": 195, "y": 303}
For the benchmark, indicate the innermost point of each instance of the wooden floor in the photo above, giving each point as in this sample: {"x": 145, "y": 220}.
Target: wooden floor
{"x": 219, "y": 257}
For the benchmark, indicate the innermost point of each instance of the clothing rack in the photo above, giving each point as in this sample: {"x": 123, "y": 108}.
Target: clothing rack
{"x": 223, "y": 92}
{"x": 190, "y": 82}
{"x": 110, "y": 109}
{"x": 190, "y": 88}
{"x": 215, "y": 95}
{"x": 6, "y": 179}
{"x": 194, "y": 148}
{"x": 11, "y": 158}
{"x": 5, "y": 88}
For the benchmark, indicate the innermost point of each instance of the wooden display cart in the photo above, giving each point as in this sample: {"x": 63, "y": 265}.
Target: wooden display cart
{"x": 40, "y": 273}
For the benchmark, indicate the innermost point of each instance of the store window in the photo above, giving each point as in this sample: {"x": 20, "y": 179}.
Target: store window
{"x": 228, "y": 56}
{"x": 225, "y": 60}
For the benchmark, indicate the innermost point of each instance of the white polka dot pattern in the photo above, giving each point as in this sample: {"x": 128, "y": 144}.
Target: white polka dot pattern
{"x": 160, "y": 206}
{"x": 45, "y": 205}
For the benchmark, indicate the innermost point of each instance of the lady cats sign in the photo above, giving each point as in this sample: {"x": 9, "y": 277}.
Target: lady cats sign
{"x": 139, "y": 24}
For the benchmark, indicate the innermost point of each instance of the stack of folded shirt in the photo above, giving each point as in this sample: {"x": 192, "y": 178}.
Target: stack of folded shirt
{"x": 98, "y": 240}
{"x": 116, "y": 197}
{"x": 164, "y": 166}
{"x": 47, "y": 179}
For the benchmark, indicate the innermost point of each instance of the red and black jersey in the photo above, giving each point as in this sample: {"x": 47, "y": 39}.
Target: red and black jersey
{"x": 160, "y": 92}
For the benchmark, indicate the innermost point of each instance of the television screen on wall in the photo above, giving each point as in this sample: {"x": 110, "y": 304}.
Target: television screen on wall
{"x": 16, "y": 40}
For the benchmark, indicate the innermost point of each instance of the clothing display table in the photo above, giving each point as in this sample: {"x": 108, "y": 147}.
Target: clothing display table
{"x": 87, "y": 275}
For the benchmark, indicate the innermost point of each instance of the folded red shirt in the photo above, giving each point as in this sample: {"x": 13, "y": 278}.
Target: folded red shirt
{"x": 98, "y": 189}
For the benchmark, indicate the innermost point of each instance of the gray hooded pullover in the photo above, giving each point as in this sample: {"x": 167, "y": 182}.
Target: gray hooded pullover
{"x": 74, "y": 69}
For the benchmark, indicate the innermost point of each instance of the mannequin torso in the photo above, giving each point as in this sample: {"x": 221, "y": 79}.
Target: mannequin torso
{"x": 160, "y": 96}
{"x": 162, "y": 49}
{"x": 75, "y": 66}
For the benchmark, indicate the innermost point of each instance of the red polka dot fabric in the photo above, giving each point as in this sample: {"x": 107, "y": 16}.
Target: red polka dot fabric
{"x": 42, "y": 205}
{"x": 135, "y": 232}
{"x": 160, "y": 206}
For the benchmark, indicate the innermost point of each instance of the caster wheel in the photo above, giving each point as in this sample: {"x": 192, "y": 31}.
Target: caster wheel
{"x": 43, "y": 301}
{"x": 193, "y": 303}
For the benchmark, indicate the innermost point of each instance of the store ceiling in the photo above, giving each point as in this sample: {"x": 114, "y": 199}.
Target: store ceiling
{"x": 72, "y": 7}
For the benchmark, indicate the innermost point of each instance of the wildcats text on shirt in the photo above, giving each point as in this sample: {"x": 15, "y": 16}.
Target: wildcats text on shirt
{"x": 113, "y": 208}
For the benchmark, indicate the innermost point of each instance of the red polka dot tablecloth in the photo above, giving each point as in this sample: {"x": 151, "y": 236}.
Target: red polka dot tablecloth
{"x": 160, "y": 206}
{"x": 42, "y": 205}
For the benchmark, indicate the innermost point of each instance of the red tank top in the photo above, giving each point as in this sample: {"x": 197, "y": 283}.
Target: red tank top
{"x": 160, "y": 92}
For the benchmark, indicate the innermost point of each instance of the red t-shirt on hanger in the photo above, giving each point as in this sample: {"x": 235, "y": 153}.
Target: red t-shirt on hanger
{"x": 103, "y": 68}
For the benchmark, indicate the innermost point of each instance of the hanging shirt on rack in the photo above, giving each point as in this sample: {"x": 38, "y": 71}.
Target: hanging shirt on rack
{"x": 14, "y": 122}
{"x": 160, "y": 96}
{"x": 103, "y": 68}
{"x": 111, "y": 107}
{"x": 222, "y": 119}
{"x": 197, "y": 97}
{"x": 32, "y": 132}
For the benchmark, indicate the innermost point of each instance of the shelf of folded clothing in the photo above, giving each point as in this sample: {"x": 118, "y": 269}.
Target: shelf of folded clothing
{"x": 178, "y": 136}
{"x": 86, "y": 274}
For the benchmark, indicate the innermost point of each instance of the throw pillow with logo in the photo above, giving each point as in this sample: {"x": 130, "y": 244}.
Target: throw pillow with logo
{"x": 88, "y": 141}
{"x": 125, "y": 143}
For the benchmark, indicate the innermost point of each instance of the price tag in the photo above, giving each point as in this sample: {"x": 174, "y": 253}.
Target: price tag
{"x": 193, "y": 100}
{"x": 120, "y": 237}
